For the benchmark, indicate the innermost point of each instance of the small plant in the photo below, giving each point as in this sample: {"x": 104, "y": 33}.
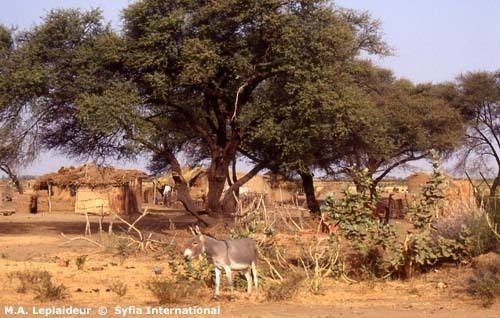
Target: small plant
{"x": 170, "y": 291}
{"x": 47, "y": 291}
{"x": 285, "y": 289}
{"x": 40, "y": 283}
{"x": 318, "y": 263}
{"x": 485, "y": 284}
{"x": 123, "y": 250}
{"x": 119, "y": 288}
{"x": 3, "y": 256}
{"x": 29, "y": 279}
{"x": 80, "y": 261}
{"x": 199, "y": 270}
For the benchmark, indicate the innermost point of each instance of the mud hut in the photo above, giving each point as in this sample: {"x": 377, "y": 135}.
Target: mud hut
{"x": 90, "y": 189}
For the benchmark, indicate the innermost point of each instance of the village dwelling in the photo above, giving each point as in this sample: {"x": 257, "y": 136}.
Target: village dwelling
{"x": 90, "y": 189}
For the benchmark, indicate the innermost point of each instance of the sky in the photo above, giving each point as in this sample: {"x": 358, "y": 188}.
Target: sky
{"x": 433, "y": 40}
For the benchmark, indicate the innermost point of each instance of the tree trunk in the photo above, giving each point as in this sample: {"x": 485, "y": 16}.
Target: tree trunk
{"x": 217, "y": 173}
{"x": 495, "y": 185}
{"x": 13, "y": 177}
{"x": 17, "y": 183}
{"x": 183, "y": 194}
{"x": 308, "y": 185}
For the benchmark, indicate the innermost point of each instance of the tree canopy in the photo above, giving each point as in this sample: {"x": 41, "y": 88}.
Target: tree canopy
{"x": 181, "y": 76}
{"x": 281, "y": 83}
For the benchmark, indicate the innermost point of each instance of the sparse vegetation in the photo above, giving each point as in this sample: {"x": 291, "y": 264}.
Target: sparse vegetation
{"x": 168, "y": 291}
{"x": 485, "y": 284}
{"x": 119, "y": 288}
{"x": 80, "y": 261}
{"x": 280, "y": 290}
{"x": 40, "y": 283}
{"x": 48, "y": 291}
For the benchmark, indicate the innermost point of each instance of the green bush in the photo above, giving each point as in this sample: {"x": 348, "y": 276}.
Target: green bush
{"x": 376, "y": 251}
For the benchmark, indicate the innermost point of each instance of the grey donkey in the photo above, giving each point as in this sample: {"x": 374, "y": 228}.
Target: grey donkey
{"x": 228, "y": 255}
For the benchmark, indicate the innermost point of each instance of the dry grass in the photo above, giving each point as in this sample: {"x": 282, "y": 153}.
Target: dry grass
{"x": 40, "y": 283}
{"x": 485, "y": 284}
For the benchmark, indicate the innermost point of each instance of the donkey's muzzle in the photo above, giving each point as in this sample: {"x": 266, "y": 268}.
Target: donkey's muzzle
{"x": 188, "y": 254}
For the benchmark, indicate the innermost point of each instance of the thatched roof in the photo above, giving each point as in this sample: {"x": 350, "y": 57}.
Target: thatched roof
{"x": 89, "y": 175}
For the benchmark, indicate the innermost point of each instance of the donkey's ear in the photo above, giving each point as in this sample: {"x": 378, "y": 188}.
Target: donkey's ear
{"x": 191, "y": 230}
{"x": 197, "y": 230}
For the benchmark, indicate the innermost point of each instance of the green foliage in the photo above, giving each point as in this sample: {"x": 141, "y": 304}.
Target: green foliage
{"x": 187, "y": 282}
{"x": 376, "y": 251}
{"x": 422, "y": 214}
{"x": 194, "y": 271}
{"x": 423, "y": 250}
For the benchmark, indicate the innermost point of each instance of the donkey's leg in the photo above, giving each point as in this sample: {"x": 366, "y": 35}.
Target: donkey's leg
{"x": 229, "y": 280}
{"x": 255, "y": 278}
{"x": 217, "y": 282}
{"x": 248, "y": 277}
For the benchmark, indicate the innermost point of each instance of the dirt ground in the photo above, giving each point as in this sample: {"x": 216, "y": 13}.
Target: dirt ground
{"x": 34, "y": 242}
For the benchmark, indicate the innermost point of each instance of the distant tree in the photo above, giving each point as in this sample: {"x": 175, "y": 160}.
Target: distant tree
{"x": 180, "y": 78}
{"x": 396, "y": 123}
{"x": 479, "y": 103}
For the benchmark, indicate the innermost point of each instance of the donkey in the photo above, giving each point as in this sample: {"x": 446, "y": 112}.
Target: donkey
{"x": 228, "y": 255}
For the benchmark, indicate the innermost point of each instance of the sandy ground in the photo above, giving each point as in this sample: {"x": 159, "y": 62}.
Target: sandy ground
{"x": 34, "y": 242}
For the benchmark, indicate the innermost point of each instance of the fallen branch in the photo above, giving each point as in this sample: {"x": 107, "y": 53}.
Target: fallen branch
{"x": 80, "y": 238}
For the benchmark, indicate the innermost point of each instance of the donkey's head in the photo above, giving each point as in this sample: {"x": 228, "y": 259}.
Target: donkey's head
{"x": 196, "y": 245}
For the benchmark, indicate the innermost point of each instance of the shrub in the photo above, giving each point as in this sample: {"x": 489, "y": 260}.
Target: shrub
{"x": 425, "y": 248}
{"x": 39, "y": 282}
{"x": 375, "y": 250}
{"x": 199, "y": 270}
{"x": 482, "y": 239}
{"x": 119, "y": 288}
{"x": 170, "y": 291}
{"x": 485, "y": 284}
{"x": 47, "y": 291}
{"x": 285, "y": 289}
{"x": 80, "y": 261}
{"x": 29, "y": 279}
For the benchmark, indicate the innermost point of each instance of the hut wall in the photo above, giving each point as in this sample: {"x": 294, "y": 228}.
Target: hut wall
{"x": 126, "y": 199}
{"x": 92, "y": 201}
{"x": 61, "y": 200}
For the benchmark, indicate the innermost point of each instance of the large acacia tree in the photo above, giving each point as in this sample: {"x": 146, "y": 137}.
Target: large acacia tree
{"x": 180, "y": 77}
{"x": 397, "y": 122}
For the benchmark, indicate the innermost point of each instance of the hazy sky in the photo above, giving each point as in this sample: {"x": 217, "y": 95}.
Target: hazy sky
{"x": 434, "y": 40}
